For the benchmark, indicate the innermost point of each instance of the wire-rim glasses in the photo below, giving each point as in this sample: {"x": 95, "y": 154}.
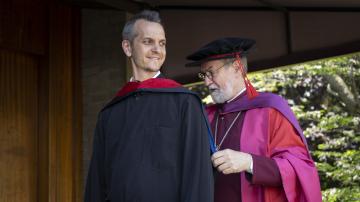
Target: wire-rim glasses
{"x": 210, "y": 74}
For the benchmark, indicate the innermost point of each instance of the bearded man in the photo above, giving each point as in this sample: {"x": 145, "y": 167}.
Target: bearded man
{"x": 262, "y": 154}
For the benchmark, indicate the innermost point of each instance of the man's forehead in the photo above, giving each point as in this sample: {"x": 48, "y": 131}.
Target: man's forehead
{"x": 147, "y": 29}
{"x": 210, "y": 64}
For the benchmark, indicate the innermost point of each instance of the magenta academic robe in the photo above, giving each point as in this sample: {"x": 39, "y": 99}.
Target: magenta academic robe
{"x": 267, "y": 129}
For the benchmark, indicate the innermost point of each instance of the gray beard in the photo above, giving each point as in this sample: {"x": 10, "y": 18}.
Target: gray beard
{"x": 218, "y": 97}
{"x": 222, "y": 95}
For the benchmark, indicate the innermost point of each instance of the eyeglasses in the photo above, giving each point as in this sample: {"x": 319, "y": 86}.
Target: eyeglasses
{"x": 210, "y": 74}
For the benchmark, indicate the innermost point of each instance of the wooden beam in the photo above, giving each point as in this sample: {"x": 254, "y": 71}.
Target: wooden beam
{"x": 289, "y": 59}
{"x": 125, "y": 5}
{"x": 305, "y": 56}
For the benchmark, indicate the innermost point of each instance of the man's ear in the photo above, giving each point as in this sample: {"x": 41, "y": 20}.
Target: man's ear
{"x": 126, "y": 46}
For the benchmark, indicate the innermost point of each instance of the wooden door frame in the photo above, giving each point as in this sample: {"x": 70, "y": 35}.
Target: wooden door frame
{"x": 60, "y": 110}
{"x": 65, "y": 128}
{"x": 50, "y": 31}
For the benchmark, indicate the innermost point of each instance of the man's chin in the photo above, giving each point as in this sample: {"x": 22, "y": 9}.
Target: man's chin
{"x": 153, "y": 69}
{"x": 217, "y": 99}
{"x": 154, "y": 66}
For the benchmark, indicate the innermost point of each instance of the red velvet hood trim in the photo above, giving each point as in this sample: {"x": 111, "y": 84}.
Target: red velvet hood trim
{"x": 149, "y": 83}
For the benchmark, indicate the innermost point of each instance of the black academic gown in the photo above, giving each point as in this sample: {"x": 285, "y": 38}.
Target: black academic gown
{"x": 151, "y": 145}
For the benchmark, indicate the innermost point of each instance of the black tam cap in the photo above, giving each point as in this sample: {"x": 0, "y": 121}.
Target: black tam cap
{"x": 226, "y": 48}
{"x": 221, "y": 49}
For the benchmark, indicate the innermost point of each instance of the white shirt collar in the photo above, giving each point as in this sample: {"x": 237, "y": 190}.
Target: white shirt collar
{"x": 237, "y": 95}
{"x": 156, "y": 75}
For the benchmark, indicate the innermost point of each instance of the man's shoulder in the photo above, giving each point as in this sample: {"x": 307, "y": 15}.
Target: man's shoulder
{"x": 270, "y": 100}
{"x": 270, "y": 96}
{"x": 152, "y": 94}
{"x": 272, "y": 111}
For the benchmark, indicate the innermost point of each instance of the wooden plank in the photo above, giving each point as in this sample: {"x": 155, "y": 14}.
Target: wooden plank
{"x": 43, "y": 165}
{"x": 23, "y": 25}
{"x": 18, "y": 126}
{"x": 64, "y": 129}
{"x": 77, "y": 161}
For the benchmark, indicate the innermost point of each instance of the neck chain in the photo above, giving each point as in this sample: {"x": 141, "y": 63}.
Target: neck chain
{"x": 227, "y": 131}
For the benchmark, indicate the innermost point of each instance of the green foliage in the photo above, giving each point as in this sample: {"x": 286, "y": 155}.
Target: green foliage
{"x": 331, "y": 128}
{"x": 341, "y": 194}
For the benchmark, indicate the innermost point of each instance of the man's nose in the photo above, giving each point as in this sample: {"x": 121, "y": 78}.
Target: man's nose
{"x": 207, "y": 81}
{"x": 156, "y": 48}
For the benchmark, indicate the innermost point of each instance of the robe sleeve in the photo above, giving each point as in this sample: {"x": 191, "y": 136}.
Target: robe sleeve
{"x": 265, "y": 172}
{"x": 197, "y": 177}
{"x": 300, "y": 180}
{"x": 95, "y": 190}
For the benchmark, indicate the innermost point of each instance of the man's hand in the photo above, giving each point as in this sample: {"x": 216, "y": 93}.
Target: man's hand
{"x": 229, "y": 161}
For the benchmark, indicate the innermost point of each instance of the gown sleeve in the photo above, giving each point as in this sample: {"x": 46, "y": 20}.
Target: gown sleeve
{"x": 197, "y": 177}
{"x": 95, "y": 190}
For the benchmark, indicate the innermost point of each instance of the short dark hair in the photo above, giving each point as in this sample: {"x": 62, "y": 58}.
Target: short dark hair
{"x": 148, "y": 15}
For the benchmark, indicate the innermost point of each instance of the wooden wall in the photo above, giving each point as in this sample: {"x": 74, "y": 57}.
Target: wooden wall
{"x": 40, "y": 102}
{"x": 18, "y": 130}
